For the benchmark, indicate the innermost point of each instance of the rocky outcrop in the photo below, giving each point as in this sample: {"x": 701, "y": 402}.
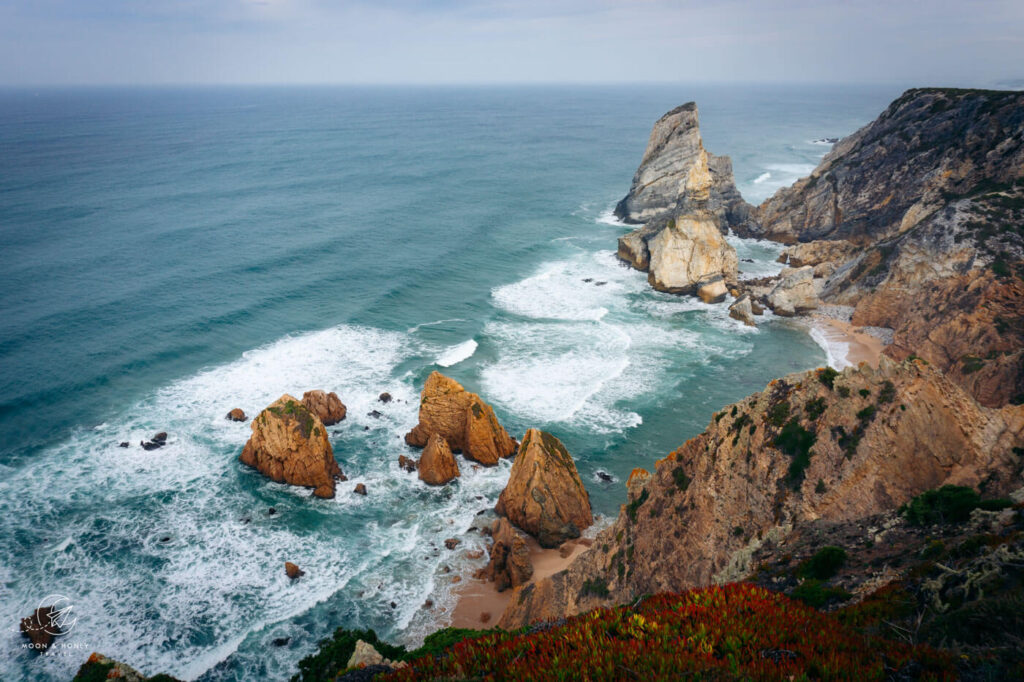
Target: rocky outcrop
{"x": 678, "y": 176}
{"x": 289, "y": 445}
{"x": 293, "y": 571}
{"x": 327, "y": 406}
{"x": 685, "y": 255}
{"x": 742, "y": 310}
{"x": 236, "y": 415}
{"x": 465, "y": 421}
{"x": 913, "y": 220}
{"x": 816, "y": 445}
{"x": 545, "y": 496}
{"x": 407, "y": 464}
{"x": 99, "y": 667}
{"x": 437, "y": 465}
{"x": 510, "y": 564}
{"x": 41, "y": 628}
{"x": 794, "y": 292}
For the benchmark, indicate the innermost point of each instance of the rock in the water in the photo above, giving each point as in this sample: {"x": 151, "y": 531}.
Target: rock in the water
{"x": 545, "y": 496}
{"x": 160, "y": 437}
{"x": 742, "y": 310}
{"x": 236, "y": 415}
{"x": 465, "y": 421}
{"x": 712, "y": 290}
{"x": 407, "y": 464}
{"x": 452, "y": 543}
{"x": 794, "y": 293}
{"x": 677, "y": 175}
{"x": 293, "y": 571}
{"x": 289, "y": 445}
{"x": 376, "y": 414}
{"x": 326, "y": 406}
{"x": 42, "y": 627}
{"x": 360, "y": 489}
{"x": 151, "y": 445}
{"x": 510, "y": 564}
{"x": 123, "y": 444}
{"x": 437, "y": 465}
{"x": 384, "y": 397}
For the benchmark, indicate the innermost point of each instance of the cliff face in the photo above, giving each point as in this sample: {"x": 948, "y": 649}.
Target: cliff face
{"x": 928, "y": 146}
{"x": 801, "y": 450}
{"x": 918, "y": 222}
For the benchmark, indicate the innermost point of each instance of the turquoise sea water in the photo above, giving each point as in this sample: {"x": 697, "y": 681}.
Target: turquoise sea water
{"x": 167, "y": 255}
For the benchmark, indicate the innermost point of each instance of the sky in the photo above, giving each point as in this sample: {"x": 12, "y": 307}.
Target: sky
{"x": 119, "y": 42}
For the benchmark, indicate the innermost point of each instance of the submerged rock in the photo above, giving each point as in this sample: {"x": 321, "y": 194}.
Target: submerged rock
{"x": 545, "y": 496}
{"x": 465, "y": 421}
{"x": 289, "y": 444}
{"x": 437, "y": 466}
{"x": 326, "y": 406}
{"x": 360, "y": 489}
{"x": 407, "y": 464}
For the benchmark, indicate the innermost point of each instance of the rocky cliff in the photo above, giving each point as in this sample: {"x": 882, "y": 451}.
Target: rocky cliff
{"x": 917, "y": 220}
{"x": 816, "y": 445}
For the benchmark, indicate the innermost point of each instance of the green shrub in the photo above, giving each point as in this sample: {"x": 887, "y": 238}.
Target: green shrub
{"x": 971, "y": 364}
{"x": 737, "y": 531}
{"x": 864, "y": 393}
{"x": 333, "y": 654}
{"x": 867, "y": 413}
{"x": 824, "y": 564}
{"x": 948, "y": 504}
{"x": 998, "y": 504}
{"x": 682, "y": 481}
{"x": 827, "y": 376}
{"x": 796, "y": 441}
{"x": 844, "y": 391}
{"x": 820, "y": 488}
{"x": 814, "y": 408}
{"x": 633, "y": 506}
{"x": 934, "y": 550}
{"x": 597, "y": 587}
{"x": 887, "y": 393}
{"x": 813, "y": 594}
{"x": 778, "y": 413}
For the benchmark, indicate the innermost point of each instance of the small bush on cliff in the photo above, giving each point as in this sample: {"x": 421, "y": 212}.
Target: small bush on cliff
{"x": 796, "y": 441}
{"x": 633, "y": 506}
{"x": 597, "y": 587}
{"x": 948, "y": 504}
{"x": 814, "y": 408}
{"x": 680, "y": 478}
{"x": 827, "y": 376}
{"x": 333, "y": 654}
{"x": 824, "y": 564}
{"x": 813, "y": 593}
{"x": 778, "y": 413}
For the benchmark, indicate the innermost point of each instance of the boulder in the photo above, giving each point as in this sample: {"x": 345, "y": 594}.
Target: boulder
{"x": 236, "y": 415}
{"x": 289, "y": 445}
{"x": 326, "y": 406}
{"x": 742, "y": 310}
{"x": 360, "y": 489}
{"x": 465, "y": 421}
{"x": 42, "y": 627}
{"x": 545, "y": 496}
{"x": 365, "y": 655}
{"x": 437, "y": 466}
{"x": 510, "y": 564}
{"x": 384, "y": 397}
{"x": 794, "y": 292}
{"x": 99, "y": 667}
{"x": 407, "y": 464}
{"x": 293, "y": 571}
{"x": 452, "y": 543}
{"x": 689, "y": 253}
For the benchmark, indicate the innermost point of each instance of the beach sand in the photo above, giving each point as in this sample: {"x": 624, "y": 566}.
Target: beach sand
{"x": 480, "y": 605}
{"x": 860, "y": 345}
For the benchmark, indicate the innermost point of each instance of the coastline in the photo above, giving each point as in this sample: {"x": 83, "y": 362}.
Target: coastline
{"x": 844, "y": 344}
{"x": 479, "y": 605}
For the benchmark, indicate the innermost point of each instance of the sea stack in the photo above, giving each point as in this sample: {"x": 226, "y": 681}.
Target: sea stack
{"x": 289, "y": 444}
{"x": 688, "y": 201}
{"x": 465, "y": 421}
{"x": 545, "y": 496}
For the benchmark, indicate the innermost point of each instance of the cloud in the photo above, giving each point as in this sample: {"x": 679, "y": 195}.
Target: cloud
{"x": 472, "y": 41}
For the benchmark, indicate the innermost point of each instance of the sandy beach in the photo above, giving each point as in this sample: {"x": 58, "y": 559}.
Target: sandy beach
{"x": 480, "y": 605}
{"x": 845, "y": 344}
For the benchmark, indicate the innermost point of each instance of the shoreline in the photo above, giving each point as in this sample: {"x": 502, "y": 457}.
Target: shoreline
{"x": 478, "y": 605}
{"x": 844, "y": 344}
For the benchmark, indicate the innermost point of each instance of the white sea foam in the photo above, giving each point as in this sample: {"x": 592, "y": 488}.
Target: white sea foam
{"x": 762, "y": 178}
{"x": 458, "y": 353}
{"x": 836, "y": 350}
{"x": 608, "y": 217}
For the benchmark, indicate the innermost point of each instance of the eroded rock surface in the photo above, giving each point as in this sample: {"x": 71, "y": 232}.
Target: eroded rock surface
{"x": 289, "y": 444}
{"x": 437, "y": 465}
{"x": 545, "y": 496}
{"x": 465, "y": 421}
{"x": 510, "y": 564}
{"x": 327, "y": 406}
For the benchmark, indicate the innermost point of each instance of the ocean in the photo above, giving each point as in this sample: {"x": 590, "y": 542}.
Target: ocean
{"x": 167, "y": 255}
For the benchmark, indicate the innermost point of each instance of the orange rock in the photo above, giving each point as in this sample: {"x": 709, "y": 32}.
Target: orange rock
{"x": 510, "y": 564}
{"x": 437, "y": 465}
{"x": 293, "y": 571}
{"x": 327, "y": 406}
{"x": 289, "y": 445}
{"x": 462, "y": 419}
{"x": 545, "y": 496}
{"x": 236, "y": 415}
